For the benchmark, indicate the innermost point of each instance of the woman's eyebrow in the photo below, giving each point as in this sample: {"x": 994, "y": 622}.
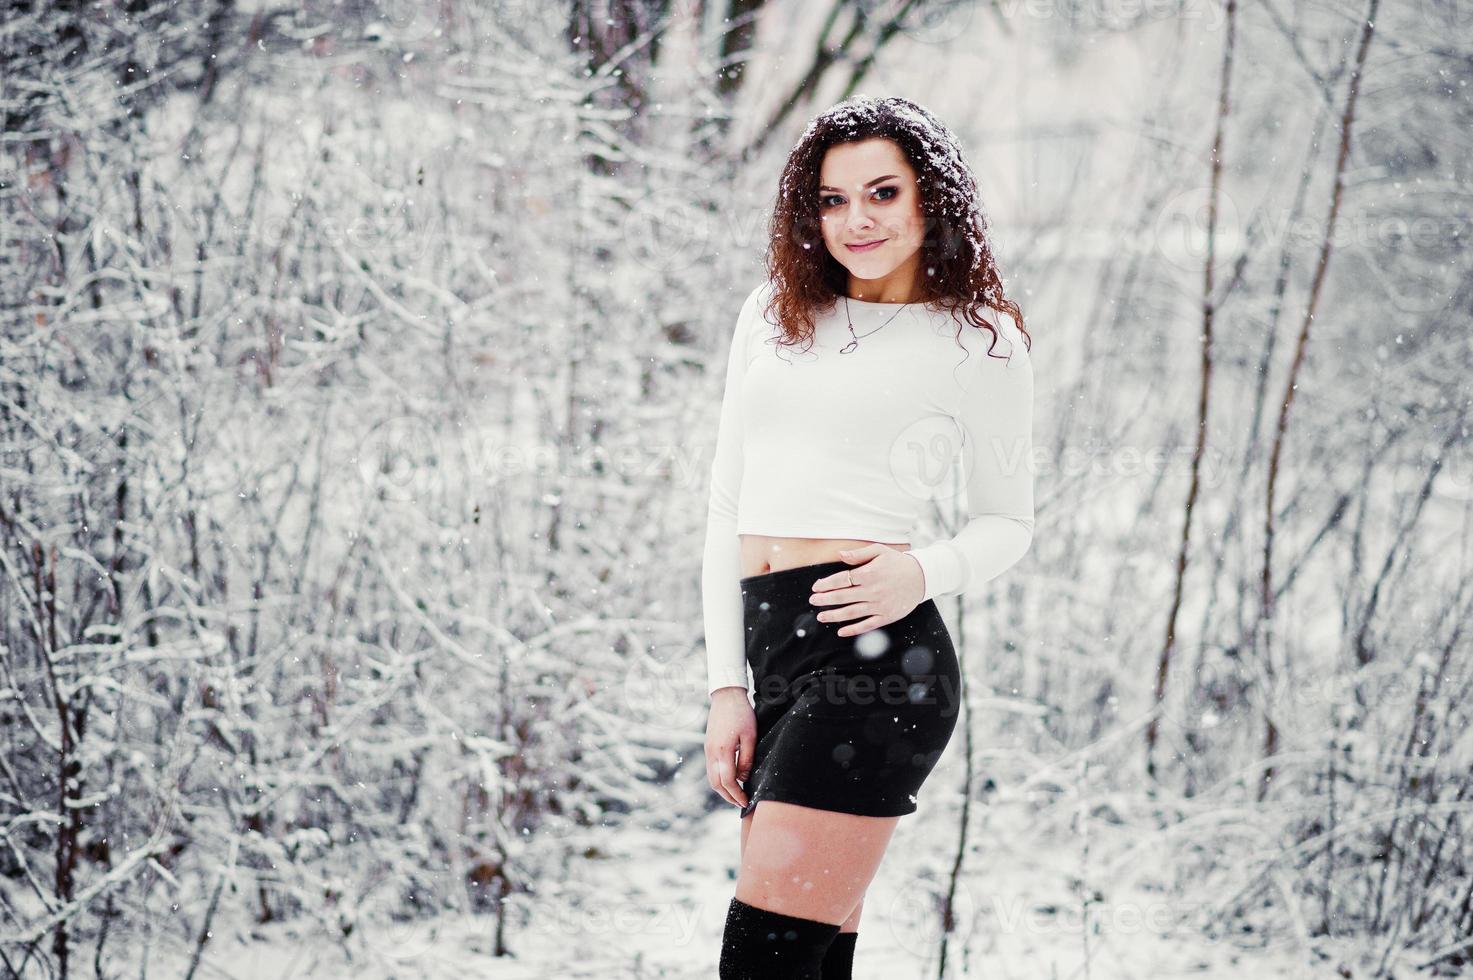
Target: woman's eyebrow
{"x": 826, "y": 187}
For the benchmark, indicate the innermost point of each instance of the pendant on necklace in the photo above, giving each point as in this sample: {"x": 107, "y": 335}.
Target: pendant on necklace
{"x": 849, "y": 347}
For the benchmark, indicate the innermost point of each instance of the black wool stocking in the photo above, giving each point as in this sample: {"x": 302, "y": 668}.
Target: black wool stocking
{"x": 760, "y": 944}
{"x": 838, "y": 961}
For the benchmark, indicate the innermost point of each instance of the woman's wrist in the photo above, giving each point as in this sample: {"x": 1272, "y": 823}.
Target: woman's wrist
{"x": 922, "y": 566}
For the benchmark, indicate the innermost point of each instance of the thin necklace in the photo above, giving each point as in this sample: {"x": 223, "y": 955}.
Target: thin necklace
{"x": 855, "y": 342}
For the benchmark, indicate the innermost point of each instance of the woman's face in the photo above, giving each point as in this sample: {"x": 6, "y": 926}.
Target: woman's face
{"x": 868, "y": 194}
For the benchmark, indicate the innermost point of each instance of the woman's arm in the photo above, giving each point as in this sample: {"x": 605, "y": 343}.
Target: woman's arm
{"x": 997, "y": 420}
{"x": 721, "y": 597}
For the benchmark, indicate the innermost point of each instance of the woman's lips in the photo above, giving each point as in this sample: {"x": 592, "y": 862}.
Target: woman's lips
{"x": 867, "y": 246}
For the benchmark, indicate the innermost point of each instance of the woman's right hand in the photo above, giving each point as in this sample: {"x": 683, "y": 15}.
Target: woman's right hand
{"x": 731, "y": 738}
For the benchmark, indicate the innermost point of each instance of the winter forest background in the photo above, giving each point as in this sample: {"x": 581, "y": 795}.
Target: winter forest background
{"x": 358, "y": 382}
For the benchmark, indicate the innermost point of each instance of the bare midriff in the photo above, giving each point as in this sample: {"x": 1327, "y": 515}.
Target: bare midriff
{"x": 762, "y": 554}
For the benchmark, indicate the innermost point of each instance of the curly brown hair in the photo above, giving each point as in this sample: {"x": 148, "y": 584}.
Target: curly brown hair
{"x": 962, "y": 275}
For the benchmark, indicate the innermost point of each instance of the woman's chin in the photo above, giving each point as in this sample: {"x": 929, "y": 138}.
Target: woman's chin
{"x": 865, "y": 267}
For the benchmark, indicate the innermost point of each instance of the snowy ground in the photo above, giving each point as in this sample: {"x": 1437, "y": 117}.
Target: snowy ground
{"x": 655, "y": 906}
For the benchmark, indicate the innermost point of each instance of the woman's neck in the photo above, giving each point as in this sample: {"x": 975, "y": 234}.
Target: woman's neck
{"x": 900, "y": 286}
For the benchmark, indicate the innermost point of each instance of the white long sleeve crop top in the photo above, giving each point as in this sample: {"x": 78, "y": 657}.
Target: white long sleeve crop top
{"x": 818, "y": 444}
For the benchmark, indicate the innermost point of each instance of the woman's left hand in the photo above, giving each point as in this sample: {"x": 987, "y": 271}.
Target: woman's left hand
{"x": 884, "y": 586}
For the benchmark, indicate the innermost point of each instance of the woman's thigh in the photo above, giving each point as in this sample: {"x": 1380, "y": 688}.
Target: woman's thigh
{"x": 810, "y": 863}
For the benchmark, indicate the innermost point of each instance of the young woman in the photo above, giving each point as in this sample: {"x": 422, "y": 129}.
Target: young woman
{"x": 826, "y": 457}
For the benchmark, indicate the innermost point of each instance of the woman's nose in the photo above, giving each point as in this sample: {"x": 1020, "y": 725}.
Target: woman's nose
{"x": 858, "y": 219}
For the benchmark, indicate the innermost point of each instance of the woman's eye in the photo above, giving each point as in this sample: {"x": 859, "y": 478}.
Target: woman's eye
{"x": 830, "y": 200}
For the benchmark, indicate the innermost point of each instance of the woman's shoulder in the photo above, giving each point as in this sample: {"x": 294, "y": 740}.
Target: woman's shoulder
{"x": 1003, "y": 345}
{"x": 761, "y": 295}
{"x": 755, "y": 317}
{"x": 1000, "y": 340}
{"x": 755, "y": 299}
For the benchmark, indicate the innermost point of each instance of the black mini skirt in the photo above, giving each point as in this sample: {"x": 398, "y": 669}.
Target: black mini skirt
{"x": 847, "y": 723}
